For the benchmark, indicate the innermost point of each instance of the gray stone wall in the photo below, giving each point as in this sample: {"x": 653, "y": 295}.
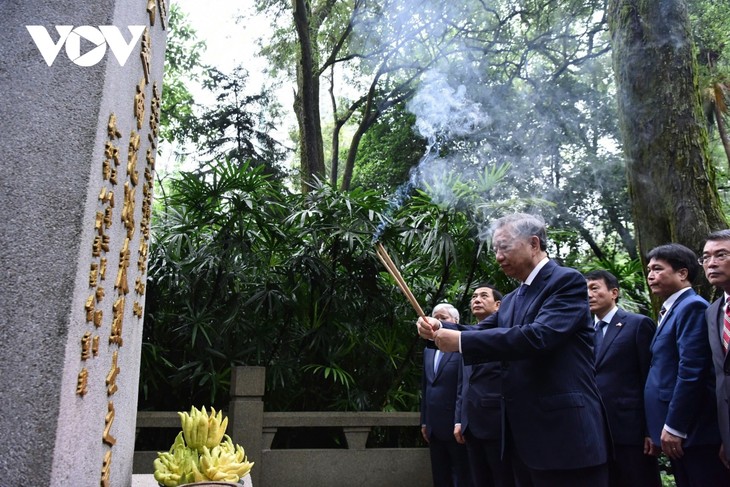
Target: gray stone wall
{"x": 75, "y": 136}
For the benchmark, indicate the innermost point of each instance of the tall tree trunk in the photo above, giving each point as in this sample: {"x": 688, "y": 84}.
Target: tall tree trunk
{"x": 306, "y": 100}
{"x": 720, "y": 109}
{"x": 670, "y": 177}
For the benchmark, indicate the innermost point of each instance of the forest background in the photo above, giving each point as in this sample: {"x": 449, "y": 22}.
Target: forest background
{"x": 417, "y": 124}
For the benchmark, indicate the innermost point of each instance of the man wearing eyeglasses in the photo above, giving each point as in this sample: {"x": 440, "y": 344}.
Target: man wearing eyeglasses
{"x": 716, "y": 262}
{"x": 553, "y": 419}
{"x": 679, "y": 396}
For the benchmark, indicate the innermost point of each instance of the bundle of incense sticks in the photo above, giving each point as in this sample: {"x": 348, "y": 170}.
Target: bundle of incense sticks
{"x": 393, "y": 270}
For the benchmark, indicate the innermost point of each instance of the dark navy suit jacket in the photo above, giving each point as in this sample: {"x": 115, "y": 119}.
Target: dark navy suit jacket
{"x": 439, "y": 394}
{"x": 552, "y": 405}
{"x": 680, "y": 387}
{"x": 622, "y": 364}
{"x": 715, "y": 316}
{"x": 481, "y": 400}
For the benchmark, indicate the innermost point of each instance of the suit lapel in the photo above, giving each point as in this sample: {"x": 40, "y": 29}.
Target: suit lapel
{"x": 533, "y": 290}
{"x": 445, "y": 357}
{"x": 715, "y": 327}
{"x": 668, "y": 321}
{"x": 430, "y": 374}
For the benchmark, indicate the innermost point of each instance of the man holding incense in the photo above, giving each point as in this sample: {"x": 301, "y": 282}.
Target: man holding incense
{"x": 555, "y": 426}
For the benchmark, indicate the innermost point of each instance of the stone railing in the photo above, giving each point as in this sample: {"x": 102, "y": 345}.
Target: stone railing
{"x": 353, "y": 465}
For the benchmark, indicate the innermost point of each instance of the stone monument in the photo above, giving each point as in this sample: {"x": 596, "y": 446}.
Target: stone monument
{"x": 79, "y": 118}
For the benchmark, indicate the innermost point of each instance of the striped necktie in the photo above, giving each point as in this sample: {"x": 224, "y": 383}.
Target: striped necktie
{"x": 726, "y": 328}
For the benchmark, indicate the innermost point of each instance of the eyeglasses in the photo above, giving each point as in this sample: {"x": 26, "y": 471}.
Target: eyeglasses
{"x": 719, "y": 257}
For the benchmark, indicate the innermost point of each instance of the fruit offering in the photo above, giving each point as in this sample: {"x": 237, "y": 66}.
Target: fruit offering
{"x": 202, "y": 451}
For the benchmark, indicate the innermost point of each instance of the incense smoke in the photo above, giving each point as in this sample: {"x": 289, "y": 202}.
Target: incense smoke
{"x": 500, "y": 103}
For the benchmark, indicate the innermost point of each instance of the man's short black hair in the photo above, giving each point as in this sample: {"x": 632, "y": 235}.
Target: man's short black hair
{"x": 678, "y": 256}
{"x": 495, "y": 292}
{"x": 608, "y": 279}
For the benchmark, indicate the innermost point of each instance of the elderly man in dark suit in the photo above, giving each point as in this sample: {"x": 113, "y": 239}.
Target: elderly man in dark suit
{"x": 679, "y": 396}
{"x": 555, "y": 425}
{"x": 441, "y": 386}
{"x": 715, "y": 260}
{"x": 622, "y": 364}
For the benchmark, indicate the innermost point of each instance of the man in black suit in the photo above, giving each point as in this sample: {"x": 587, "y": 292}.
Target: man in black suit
{"x": 481, "y": 407}
{"x": 622, "y": 364}
{"x": 441, "y": 383}
{"x": 716, "y": 262}
{"x": 555, "y": 425}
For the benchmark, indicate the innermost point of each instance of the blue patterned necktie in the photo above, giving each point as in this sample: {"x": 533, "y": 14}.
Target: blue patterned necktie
{"x": 520, "y": 295}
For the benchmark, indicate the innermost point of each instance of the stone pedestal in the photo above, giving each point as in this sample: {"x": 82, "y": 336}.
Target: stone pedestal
{"x": 81, "y": 84}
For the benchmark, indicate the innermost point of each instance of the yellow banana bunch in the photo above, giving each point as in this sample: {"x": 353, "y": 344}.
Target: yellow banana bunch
{"x": 201, "y": 429}
{"x": 177, "y": 466}
{"x": 201, "y": 451}
{"x": 225, "y": 462}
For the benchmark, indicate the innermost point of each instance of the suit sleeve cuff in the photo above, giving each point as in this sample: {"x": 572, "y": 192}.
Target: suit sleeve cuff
{"x": 675, "y": 432}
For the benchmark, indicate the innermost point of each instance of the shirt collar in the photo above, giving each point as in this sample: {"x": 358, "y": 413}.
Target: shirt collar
{"x": 673, "y": 298}
{"x": 534, "y": 272}
{"x": 609, "y": 316}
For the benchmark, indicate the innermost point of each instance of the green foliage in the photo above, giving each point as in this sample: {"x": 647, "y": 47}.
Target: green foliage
{"x": 243, "y": 272}
{"x": 182, "y": 65}
{"x": 388, "y": 151}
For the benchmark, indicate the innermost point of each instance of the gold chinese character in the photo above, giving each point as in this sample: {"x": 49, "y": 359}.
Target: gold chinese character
{"x": 117, "y": 320}
{"x": 139, "y": 286}
{"x": 163, "y": 13}
{"x": 93, "y": 274}
{"x": 128, "y": 209}
{"x": 155, "y": 105}
{"x": 122, "y": 284}
{"x": 106, "y": 469}
{"x": 89, "y": 307}
{"x": 146, "y": 53}
{"x": 99, "y": 222}
{"x": 102, "y": 268}
{"x": 98, "y": 317}
{"x": 82, "y": 382}
{"x": 86, "y": 346}
{"x": 137, "y": 310}
{"x": 111, "y": 377}
{"x": 95, "y": 346}
{"x": 151, "y": 10}
{"x": 108, "y": 216}
{"x": 111, "y": 128}
{"x": 134, "y": 141}
{"x": 106, "y": 196}
{"x": 139, "y": 99}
